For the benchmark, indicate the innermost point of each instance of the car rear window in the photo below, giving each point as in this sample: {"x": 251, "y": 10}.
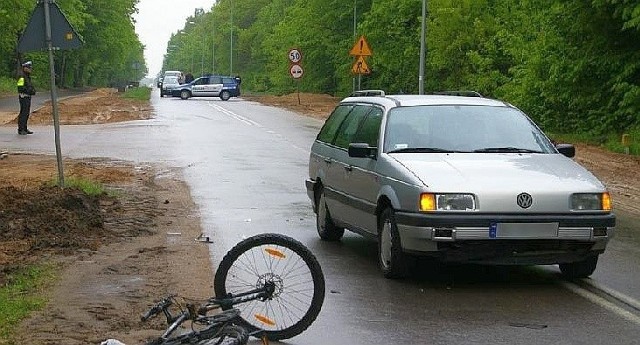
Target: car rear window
{"x": 349, "y": 127}
{"x": 328, "y": 131}
{"x": 228, "y": 81}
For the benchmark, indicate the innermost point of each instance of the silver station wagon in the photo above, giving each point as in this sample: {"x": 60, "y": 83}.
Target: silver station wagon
{"x": 461, "y": 178}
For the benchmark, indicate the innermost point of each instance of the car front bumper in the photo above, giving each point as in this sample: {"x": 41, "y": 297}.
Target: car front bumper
{"x": 506, "y": 239}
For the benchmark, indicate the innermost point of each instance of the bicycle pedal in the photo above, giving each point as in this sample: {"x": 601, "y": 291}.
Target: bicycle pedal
{"x": 203, "y": 238}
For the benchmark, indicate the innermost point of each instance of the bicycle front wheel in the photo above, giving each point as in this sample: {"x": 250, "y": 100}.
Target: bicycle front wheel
{"x": 284, "y": 263}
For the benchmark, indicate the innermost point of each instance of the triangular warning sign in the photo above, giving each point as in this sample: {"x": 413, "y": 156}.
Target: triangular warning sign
{"x": 63, "y": 36}
{"x": 361, "y": 48}
{"x": 360, "y": 67}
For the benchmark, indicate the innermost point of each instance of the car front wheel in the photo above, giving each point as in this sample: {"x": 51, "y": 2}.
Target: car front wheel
{"x": 393, "y": 262}
{"x": 225, "y": 95}
{"x": 327, "y": 230}
{"x": 184, "y": 94}
{"x": 579, "y": 269}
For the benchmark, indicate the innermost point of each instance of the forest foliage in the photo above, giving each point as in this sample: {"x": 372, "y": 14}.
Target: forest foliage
{"x": 111, "y": 55}
{"x": 573, "y": 65}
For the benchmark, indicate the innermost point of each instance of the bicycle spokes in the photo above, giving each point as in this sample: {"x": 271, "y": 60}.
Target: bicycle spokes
{"x": 286, "y": 278}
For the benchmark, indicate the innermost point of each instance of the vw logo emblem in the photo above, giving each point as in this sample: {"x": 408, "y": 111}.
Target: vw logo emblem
{"x": 524, "y": 200}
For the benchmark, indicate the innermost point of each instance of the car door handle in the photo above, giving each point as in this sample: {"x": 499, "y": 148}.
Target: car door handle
{"x": 348, "y": 168}
{"x": 327, "y": 160}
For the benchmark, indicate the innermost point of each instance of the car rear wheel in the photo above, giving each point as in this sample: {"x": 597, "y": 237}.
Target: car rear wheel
{"x": 184, "y": 94}
{"x": 327, "y": 229}
{"x": 393, "y": 262}
{"x": 579, "y": 269}
{"x": 225, "y": 95}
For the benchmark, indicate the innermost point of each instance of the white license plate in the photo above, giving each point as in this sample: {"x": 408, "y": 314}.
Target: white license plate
{"x": 523, "y": 230}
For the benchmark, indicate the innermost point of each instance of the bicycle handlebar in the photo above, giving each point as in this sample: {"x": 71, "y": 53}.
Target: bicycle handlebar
{"x": 157, "y": 308}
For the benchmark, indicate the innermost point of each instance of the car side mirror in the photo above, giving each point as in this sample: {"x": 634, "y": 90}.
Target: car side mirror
{"x": 362, "y": 150}
{"x": 567, "y": 150}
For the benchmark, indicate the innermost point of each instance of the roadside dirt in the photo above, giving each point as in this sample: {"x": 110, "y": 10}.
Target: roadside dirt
{"x": 120, "y": 251}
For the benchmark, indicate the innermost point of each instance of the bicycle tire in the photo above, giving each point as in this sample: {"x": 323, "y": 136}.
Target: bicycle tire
{"x": 213, "y": 335}
{"x": 240, "y": 271}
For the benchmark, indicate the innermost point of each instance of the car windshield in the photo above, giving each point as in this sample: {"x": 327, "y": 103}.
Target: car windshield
{"x": 171, "y": 80}
{"x": 463, "y": 128}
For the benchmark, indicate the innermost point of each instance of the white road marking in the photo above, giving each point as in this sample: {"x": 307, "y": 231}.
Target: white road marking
{"x": 234, "y": 115}
{"x": 251, "y": 123}
{"x": 615, "y": 294}
{"x": 602, "y": 302}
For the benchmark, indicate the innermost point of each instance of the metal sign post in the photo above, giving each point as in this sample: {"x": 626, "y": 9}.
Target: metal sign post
{"x": 295, "y": 69}
{"x": 49, "y": 29}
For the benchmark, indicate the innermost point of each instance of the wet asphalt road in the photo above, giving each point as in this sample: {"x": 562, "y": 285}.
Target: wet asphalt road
{"x": 246, "y": 165}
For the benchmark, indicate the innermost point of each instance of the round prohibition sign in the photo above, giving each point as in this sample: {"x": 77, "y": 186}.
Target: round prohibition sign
{"x": 295, "y": 55}
{"x": 296, "y": 71}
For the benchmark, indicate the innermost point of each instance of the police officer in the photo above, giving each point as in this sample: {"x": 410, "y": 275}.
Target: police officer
{"x": 25, "y": 91}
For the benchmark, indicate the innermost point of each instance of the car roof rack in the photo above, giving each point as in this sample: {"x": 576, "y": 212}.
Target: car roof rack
{"x": 459, "y": 93}
{"x": 365, "y": 93}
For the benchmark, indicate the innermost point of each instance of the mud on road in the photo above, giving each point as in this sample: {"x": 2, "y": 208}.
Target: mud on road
{"x": 119, "y": 252}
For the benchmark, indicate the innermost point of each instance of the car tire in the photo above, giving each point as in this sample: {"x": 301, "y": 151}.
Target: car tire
{"x": 394, "y": 263}
{"x": 225, "y": 95}
{"x": 579, "y": 269}
{"x": 327, "y": 229}
{"x": 185, "y": 94}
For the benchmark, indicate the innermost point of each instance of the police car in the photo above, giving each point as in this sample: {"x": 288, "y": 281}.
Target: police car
{"x": 224, "y": 87}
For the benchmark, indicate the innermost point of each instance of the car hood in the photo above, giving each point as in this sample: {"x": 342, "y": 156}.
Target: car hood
{"x": 480, "y": 172}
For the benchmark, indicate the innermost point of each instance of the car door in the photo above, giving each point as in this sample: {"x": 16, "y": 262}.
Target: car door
{"x": 362, "y": 180}
{"x": 348, "y": 207}
{"x": 215, "y": 86}
{"x": 199, "y": 87}
{"x": 323, "y": 155}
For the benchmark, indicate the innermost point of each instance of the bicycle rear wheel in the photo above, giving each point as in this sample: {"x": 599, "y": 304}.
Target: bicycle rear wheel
{"x": 288, "y": 265}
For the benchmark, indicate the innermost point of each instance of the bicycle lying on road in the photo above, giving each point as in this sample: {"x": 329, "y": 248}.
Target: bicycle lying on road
{"x": 269, "y": 286}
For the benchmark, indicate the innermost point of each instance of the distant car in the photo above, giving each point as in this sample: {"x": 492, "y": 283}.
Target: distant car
{"x": 209, "y": 86}
{"x": 178, "y": 74}
{"x": 168, "y": 84}
{"x": 457, "y": 178}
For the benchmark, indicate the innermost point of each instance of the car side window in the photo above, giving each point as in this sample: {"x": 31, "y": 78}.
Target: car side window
{"x": 227, "y": 81}
{"x": 330, "y": 127}
{"x": 202, "y": 81}
{"x": 369, "y": 132}
{"x": 215, "y": 80}
{"x": 350, "y": 126}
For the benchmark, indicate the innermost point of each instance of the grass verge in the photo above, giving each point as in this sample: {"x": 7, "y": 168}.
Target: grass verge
{"x": 21, "y": 295}
{"x": 88, "y": 187}
{"x": 139, "y": 93}
{"x": 612, "y": 142}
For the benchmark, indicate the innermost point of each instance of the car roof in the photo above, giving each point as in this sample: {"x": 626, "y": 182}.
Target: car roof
{"x": 392, "y": 101}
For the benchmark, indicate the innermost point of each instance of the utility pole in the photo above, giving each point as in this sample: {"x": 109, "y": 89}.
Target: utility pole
{"x": 422, "y": 48}
{"x": 354, "y": 38}
{"x": 231, "y": 43}
{"x": 213, "y": 43}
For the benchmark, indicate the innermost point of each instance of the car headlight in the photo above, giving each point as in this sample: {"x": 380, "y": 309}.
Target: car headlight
{"x": 591, "y": 202}
{"x": 447, "y": 202}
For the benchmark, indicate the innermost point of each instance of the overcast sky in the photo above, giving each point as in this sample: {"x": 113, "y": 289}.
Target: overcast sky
{"x": 156, "y": 20}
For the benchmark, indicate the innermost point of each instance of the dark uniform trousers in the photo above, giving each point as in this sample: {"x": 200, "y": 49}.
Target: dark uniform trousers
{"x": 25, "y": 109}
